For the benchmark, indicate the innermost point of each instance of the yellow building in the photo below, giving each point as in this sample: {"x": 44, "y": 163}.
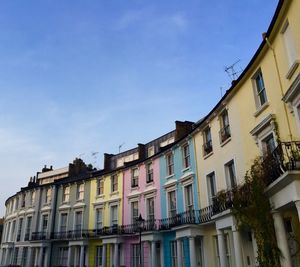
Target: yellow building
{"x": 105, "y": 216}
{"x": 260, "y": 109}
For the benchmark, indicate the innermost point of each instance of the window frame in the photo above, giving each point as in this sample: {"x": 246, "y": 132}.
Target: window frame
{"x": 66, "y": 194}
{"x": 211, "y": 187}
{"x": 172, "y": 211}
{"x": 207, "y": 141}
{"x": 100, "y": 187}
{"x": 186, "y": 156}
{"x": 114, "y": 183}
{"x": 134, "y": 177}
{"x": 149, "y": 172}
{"x": 80, "y": 191}
{"x": 170, "y": 163}
{"x": 258, "y": 91}
{"x": 231, "y": 182}
{"x": 134, "y": 208}
{"x": 188, "y": 195}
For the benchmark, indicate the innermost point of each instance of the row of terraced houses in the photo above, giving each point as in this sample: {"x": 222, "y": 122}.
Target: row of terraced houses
{"x": 79, "y": 216}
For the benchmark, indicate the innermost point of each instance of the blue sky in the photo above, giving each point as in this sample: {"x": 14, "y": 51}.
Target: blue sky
{"x": 86, "y": 76}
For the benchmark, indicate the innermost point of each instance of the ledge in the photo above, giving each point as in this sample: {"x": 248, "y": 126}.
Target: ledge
{"x": 292, "y": 69}
{"x": 261, "y": 109}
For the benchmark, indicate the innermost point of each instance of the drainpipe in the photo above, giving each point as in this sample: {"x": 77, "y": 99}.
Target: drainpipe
{"x": 280, "y": 85}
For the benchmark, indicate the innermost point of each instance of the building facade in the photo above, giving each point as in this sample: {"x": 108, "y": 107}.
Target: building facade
{"x": 156, "y": 204}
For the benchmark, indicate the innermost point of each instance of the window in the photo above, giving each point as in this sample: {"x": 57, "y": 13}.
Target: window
{"x": 24, "y": 256}
{"x": 63, "y": 257}
{"x": 16, "y": 253}
{"x": 268, "y": 144}
{"x": 80, "y": 191}
{"x": 114, "y": 183}
{"x": 217, "y": 252}
{"x": 150, "y": 209}
{"x": 134, "y": 211}
{"x": 211, "y": 187}
{"x": 45, "y": 223}
{"x": 228, "y": 250}
{"x": 289, "y": 44}
{"x": 207, "y": 142}
{"x": 260, "y": 91}
{"x": 66, "y": 194}
{"x": 100, "y": 187}
{"x": 135, "y": 255}
{"x": 99, "y": 260}
{"x": 17, "y": 203}
{"x": 170, "y": 164}
{"x": 28, "y": 228}
{"x": 78, "y": 220}
{"x": 173, "y": 253}
{"x": 20, "y": 229}
{"x": 63, "y": 222}
{"x": 230, "y": 174}
{"x": 186, "y": 156}
{"x": 114, "y": 215}
{"x": 188, "y": 194}
{"x": 23, "y": 200}
{"x": 151, "y": 151}
{"x": 172, "y": 203}
{"x": 13, "y": 229}
{"x": 149, "y": 169}
{"x": 8, "y": 232}
{"x": 99, "y": 219}
{"x": 32, "y": 198}
{"x": 225, "y": 128}
{"x": 48, "y": 196}
{"x": 135, "y": 177}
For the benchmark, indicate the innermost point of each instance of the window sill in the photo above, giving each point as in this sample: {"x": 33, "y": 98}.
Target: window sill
{"x": 261, "y": 109}
{"x": 149, "y": 183}
{"x": 186, "y": 169}
{"x": 292, "y": 69}
{"x": 116, "y": 193}
{"x": 170, "y": 176}
{"x": 225, "y": 141}
{"x": 100, "y": 196}
{"x": 208, "y": 155}
{"x": 79, "y": 200}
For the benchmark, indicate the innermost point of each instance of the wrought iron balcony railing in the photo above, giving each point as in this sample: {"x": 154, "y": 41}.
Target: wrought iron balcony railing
{"x": 285, "y": 157}
{"x": 224, "y": 133}
{"x": 39, "y": 236}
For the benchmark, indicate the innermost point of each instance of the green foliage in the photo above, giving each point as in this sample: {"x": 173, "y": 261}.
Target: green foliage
{"x": 251, "y": 208}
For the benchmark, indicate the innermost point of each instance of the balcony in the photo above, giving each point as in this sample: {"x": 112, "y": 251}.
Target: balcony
{"x": 26, "y": 237}
{"x": 224, "y": 133}
{"x": 36, "y": 236}
{"x": 285, "y": 157}
{"x": 207, "y": 148}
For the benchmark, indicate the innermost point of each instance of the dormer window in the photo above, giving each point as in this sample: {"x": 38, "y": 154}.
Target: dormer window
{"x": 207, "y": 142}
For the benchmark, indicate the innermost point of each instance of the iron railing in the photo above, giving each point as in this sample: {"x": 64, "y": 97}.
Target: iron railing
{"x": 285, "y": 157}
{"x": 39, "y": 236}
{"x": 224, "y": 133}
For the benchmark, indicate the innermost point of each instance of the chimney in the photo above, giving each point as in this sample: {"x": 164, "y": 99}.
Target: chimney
{"x": 107, "y": 161}
{"x": 183, "y": 128}
{"x": 142, "y": 151}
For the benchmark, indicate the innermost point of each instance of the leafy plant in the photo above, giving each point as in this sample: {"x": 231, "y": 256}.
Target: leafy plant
{"x": 251, "y": 208}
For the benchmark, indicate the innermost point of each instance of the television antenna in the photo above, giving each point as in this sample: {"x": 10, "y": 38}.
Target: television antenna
{"x": 95, "y": 156}
{"x": 232, "y": 72}
{"x": 120, "y": 146}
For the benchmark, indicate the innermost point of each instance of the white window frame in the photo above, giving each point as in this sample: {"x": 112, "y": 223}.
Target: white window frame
{"x": 110, "y": 212}
{"x": 257, "y": 92}
{"x": 80, "y": 192}
{"x": 60, "y": 221}
{"x": 75, "y": 219}
{"x": 210, "y": 194}
{"x": 66, "y": 194}
{"x": 228, "y": 174}
{"x": 171, "y": 211}
{"x": 114, "y": 177}
{"x": 186, "y": 206}
{"x": 98, "y": 255}
{"x": 149, "y": 172}
{"x": 186, "y": 155}
{"x": 170, "y": 164}
{"x": 134, "y": 217}
{"x": 134, "y": 177}
{"x": 98, "y": 208}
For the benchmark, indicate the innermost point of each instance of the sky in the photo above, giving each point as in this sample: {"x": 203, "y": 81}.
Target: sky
{"x": 85, "y": 76}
